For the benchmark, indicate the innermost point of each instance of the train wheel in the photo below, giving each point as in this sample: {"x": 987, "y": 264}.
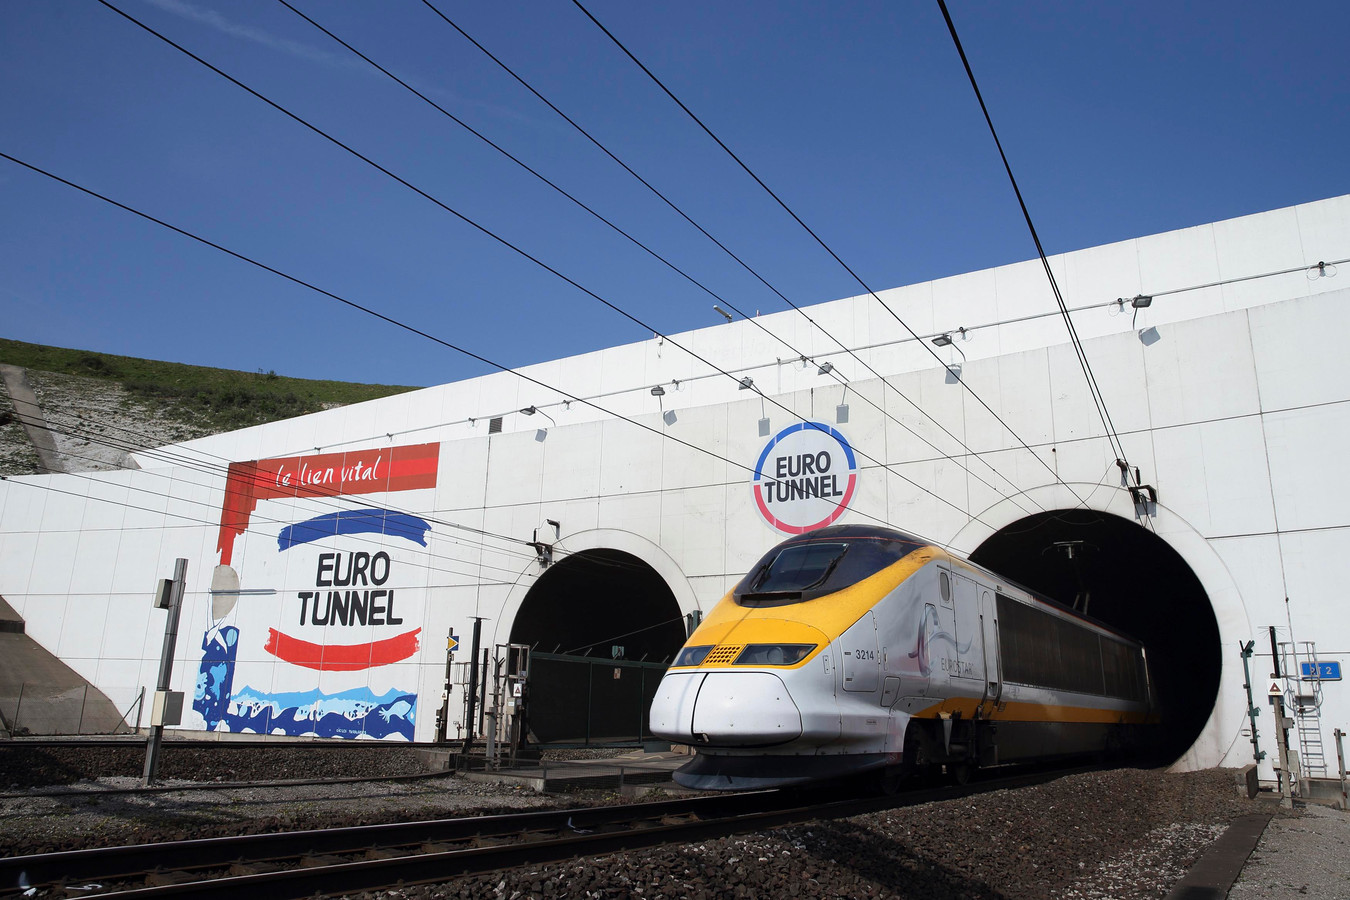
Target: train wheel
{"x": 962, "y": 772}
{"x": 892, "y": 778}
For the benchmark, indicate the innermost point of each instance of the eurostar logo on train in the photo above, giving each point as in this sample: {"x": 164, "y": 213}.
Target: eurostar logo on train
{"x": 805, "y": 478}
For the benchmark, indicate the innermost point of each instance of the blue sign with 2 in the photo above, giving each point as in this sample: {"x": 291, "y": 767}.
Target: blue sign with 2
{"x": 1321, "y": 671}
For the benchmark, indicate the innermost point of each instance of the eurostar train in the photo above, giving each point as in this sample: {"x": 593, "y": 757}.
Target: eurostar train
{"x": 858, "y": 649}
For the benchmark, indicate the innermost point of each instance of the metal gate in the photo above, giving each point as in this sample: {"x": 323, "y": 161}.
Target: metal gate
{"x": 583, "y": 701}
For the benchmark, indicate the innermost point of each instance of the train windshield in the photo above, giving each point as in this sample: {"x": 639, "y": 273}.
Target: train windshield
{"x": 799, "y": 567}
{"x": 802, "y": 570}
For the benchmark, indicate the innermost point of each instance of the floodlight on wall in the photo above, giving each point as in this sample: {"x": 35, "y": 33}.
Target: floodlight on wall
{"x": 531, "y": 410}
{"x": 949, "y": 339}
{"x": 722, "y": 312}
{"x": 747, "y": 383}
{"x": 1137, "y": 302}
{"x": 658, "y": 391}
{"x": 825, "y": 368}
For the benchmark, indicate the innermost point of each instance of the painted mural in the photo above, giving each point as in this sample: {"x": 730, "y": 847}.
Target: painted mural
{"x": 318, "y": 596}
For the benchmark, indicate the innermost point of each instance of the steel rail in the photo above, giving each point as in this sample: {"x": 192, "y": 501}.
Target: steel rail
{"x": 540, "y": 837}
{"x": 38, "y": 793}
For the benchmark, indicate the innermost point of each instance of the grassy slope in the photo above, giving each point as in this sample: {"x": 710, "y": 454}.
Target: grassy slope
{"x": 222, "y": 399}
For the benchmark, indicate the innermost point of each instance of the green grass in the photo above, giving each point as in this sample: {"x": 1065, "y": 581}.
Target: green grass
{"x": 222, "y": 399}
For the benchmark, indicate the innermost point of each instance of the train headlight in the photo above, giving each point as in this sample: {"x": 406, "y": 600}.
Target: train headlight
{"x": 691, "y": 656}
{"x": 773, "y": 654}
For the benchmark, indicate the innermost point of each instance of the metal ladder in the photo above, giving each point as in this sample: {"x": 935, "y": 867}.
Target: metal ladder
{"x": 1305, "y": 701}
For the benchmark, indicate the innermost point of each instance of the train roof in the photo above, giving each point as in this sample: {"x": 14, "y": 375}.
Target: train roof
{"x": 886, "y": 533}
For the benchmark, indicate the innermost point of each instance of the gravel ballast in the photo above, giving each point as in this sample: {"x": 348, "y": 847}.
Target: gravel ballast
{"x": 1123, "y": 834}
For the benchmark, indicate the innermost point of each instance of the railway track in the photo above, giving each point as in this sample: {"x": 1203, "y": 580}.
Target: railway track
{"x": 344, "y": 860}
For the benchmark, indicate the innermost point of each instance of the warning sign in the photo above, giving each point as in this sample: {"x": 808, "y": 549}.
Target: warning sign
{"x": 1275, "y": 689}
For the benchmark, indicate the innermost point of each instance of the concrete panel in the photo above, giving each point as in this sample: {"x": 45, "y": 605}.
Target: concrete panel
{"x": 571, "y": 462}
{"x": 1305, "y": 449}
{"x": 25, "y": 498}
{"x": 1256, "y": 245}
{"x": 693, "y": 528}
{"x": 85, "y": 620}
{"x": 1180, "y": 259}
{"x": 18, "y": 549}
{"x": 108, "y": 499}
{"x": 1206, "y": 475}
{"x": 630, "y": 456}
{"x": 53, "y": 563}
{"x": 96, "y": 561}
{"x": 638, "y": 513}
{"x": 1256, "y": 567}
{"x": 1324, "y": 229}
{"x": 1294, "y": 365}
{"x": 931, "y": 416}
{"x": 516, "y": 473}
{"x": 1201, "y": 370}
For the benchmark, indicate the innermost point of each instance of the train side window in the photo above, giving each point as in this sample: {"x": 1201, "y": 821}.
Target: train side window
{"x": 945, "y": 587}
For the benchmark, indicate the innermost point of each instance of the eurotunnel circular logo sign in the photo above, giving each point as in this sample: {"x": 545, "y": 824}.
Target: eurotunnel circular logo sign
{"x": 805, "y": 477}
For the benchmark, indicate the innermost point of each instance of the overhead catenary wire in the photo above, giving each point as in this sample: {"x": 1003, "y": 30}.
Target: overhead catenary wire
{"x": 178, "y": 498}
{"x": 856, "y": 277}
{"x": 514, "y": 248}
{"x": 197, "y": 522}
{"x": 746, "y": 266}
{"x": 1098, "y": 400}
{"x": 441, "y": 341}
{"x": 794, "y": 351}
{"x": 220, "y": 466}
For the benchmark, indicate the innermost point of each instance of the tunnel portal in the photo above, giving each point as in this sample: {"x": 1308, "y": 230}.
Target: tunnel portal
{"x": 602, "y": 626}
{"x": 1131, "y": 579}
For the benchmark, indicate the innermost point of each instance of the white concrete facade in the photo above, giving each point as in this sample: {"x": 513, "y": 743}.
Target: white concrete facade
{"x": 1228, "y": 391}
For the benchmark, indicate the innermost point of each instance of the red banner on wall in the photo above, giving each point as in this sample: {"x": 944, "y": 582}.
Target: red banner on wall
{"x": 320, "y": 475}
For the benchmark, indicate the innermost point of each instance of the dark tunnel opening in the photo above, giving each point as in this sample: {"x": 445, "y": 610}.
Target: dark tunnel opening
{"x": 602, "y": 626}
{"x": 590, "y": 602}
{"x": 1132, "y": 580}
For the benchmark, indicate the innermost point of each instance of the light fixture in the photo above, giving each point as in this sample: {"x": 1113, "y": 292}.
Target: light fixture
{"x": 1141, "y": 301}
{"x": 746, "y": 383}
{"x": 658, "y": 391}
{"x": 943, "y": 340}
{"x": 825, "y": 368}
{"x": 531, "y": 410}
{"x": 722, "y": 312}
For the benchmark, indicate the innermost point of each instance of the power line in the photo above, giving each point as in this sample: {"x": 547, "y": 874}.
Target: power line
{"x": 1098, "y": 400}
{"x": 505, "y": 243}
{"x": 819, "y": 241}
{"x": 503, "y": 368}
{"x": 746, "y": 266}
{"x": 663, "y": 260}
{"x": 199, "y": 522}
{"x": 307, "y": 492}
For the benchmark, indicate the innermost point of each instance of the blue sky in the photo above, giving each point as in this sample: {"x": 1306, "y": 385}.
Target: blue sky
{"x": 1120, "y": 120}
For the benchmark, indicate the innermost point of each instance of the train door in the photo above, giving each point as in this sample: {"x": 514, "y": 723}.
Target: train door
{"x": 861, "y": 658}
{"x": 968, "y": 666}
{"x": 993, "y": 680}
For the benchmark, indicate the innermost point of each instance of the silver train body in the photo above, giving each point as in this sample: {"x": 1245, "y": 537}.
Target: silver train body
{"x": 854, "y": 649}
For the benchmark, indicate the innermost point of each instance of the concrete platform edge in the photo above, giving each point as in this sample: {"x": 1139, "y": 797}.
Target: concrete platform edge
{"x": 1213, "y": 874}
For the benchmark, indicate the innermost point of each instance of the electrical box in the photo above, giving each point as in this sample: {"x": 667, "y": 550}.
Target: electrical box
{"x": 167, "y": 708}
{"x": 164, "y": 593}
